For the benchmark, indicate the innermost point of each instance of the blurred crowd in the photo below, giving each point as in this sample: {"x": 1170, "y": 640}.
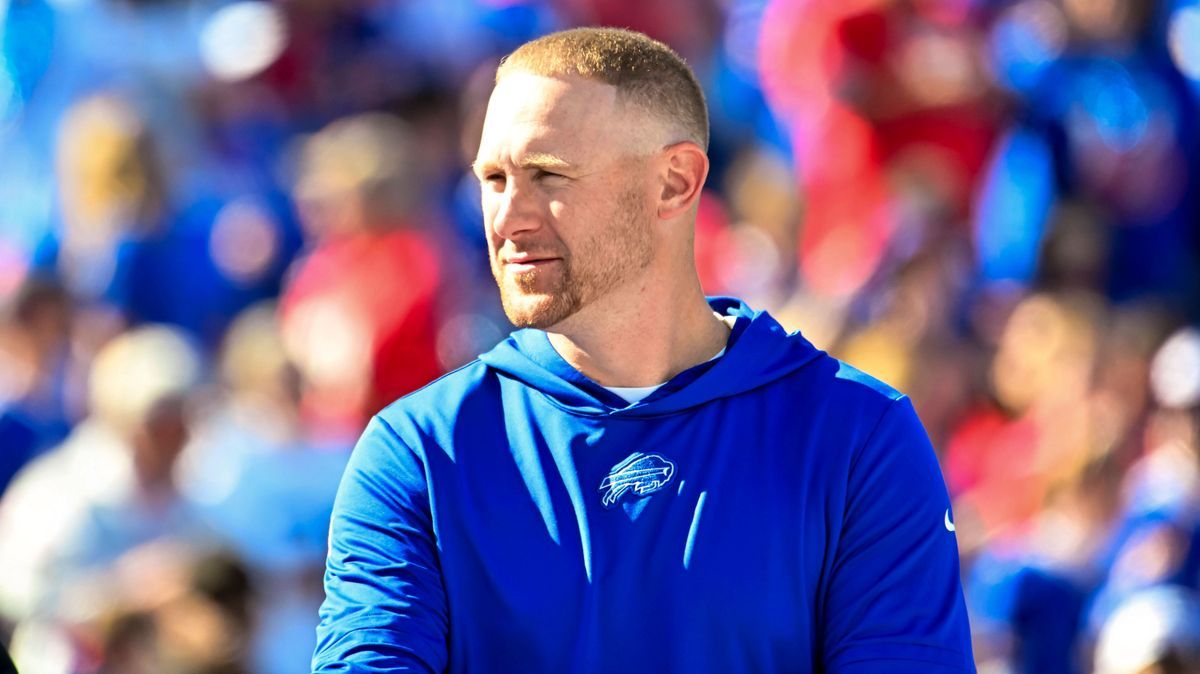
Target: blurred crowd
{"x": 232, "y": 231}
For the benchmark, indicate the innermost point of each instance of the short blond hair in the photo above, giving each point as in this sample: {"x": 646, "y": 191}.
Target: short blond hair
{"x": 646, "y": 72}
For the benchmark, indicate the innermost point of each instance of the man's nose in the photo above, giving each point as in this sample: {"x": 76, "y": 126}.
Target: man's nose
{"x": 516, "y": 212}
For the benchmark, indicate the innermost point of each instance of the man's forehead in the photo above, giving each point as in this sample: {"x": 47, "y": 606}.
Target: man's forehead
{"x": 527, "y": 111}
{"x": 523, "y": 93}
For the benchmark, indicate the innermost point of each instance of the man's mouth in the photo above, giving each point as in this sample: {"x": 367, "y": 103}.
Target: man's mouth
{"x": 524, "y": 263}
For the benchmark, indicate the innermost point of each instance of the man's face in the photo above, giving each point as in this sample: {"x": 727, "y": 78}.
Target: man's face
{"x": 565, "y": 195}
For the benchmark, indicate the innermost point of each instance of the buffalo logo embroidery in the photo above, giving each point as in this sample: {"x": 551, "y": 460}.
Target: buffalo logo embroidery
{"x": 641, "y": 473}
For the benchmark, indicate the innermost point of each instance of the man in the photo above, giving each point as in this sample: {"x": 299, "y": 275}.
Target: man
{"x": 641, "y": 480}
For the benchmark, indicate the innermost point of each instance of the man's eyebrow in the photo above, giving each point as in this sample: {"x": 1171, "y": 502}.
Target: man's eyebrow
{"x": 533, "y": 160}
{"x": 544, "y": 160}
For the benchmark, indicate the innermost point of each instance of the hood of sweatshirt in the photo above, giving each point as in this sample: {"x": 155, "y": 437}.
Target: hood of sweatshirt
{"x": 758, "y": 352}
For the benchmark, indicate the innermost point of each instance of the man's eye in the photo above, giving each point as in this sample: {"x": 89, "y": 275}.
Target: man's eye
{"x": 547, "y": 175}
{"x": 494, "y": 178}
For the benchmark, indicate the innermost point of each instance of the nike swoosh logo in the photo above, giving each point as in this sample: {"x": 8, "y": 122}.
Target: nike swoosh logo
{"x": 949, "y": 524}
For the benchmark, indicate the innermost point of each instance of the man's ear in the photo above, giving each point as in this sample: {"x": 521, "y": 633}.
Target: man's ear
{"x": 683, "y": 168}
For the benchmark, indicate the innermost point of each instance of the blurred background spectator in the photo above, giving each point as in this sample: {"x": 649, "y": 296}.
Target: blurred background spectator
{"x": 232, "y": 231}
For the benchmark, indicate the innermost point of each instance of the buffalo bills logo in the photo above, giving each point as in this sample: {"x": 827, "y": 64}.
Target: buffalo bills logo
{"x": 641, "y": 473}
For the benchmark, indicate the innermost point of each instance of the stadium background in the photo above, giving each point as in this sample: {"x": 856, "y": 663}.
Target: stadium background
{"x": 231, "y": 231}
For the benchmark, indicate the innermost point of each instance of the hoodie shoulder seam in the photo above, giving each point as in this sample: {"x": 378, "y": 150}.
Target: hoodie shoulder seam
{"x": 856, "y": 457}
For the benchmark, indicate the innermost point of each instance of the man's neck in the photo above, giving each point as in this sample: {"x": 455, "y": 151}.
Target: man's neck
{"x": 641, "y": 337}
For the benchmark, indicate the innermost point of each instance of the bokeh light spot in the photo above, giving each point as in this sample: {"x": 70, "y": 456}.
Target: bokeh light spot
{"x": 1183, "y": 40}
{"x": 244, "y": 241}
{"x": 1175, "y": 372}
{"x": 243, "y": 39}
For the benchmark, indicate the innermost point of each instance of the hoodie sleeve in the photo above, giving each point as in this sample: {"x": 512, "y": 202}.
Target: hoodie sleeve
{"x": 893, "y": 602}
{"x": 385, "y": 605}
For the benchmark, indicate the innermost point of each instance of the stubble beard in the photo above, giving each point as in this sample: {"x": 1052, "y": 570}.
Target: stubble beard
{"x": 600, "y": 262}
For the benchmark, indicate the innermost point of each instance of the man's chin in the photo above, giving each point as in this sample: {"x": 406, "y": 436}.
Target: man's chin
{"x": 540, "y": 311}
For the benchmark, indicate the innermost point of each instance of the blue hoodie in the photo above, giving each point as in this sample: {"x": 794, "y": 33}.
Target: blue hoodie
{"x": 773, "y": 510}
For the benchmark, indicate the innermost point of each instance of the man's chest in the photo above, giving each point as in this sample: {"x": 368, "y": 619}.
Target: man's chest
{"x": 625, "y": 529}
